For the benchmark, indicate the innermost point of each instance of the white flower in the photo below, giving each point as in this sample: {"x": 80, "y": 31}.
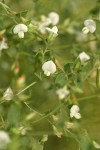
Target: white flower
{"x": 20, "y": 29}
{"x": 90, "y": 26}
{"x": 8, "y": 94}
{"x": 45, "y": 22}
{"x": 42, "y": 26}
{"x": 49, "y": 68}
{"x": 74, "y": 112}
{"x": 83, "y": 57}
{"x": 53, "y": 30}
{"x": 80, "y": 37}
{"x": 4, "y": 139}
{"x": 3, "y": 44}
{"x": 62, "y": 92}
{"x": 54, "y": 17}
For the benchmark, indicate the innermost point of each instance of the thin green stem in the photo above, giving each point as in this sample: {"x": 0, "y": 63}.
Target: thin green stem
{"x": 41, "y": 37}
{"x": 71, "y": 45}
{"x": 48, "y": 115}
{"x": 73, "y": 135}
{"x": 40, "y": 114}
{"x": 88, "y": 97}
{"x": 8, "y": 10}
{"x": 26, "y": 88}
{"x": 43, "y": 116}
{"x": 32, "y": 109}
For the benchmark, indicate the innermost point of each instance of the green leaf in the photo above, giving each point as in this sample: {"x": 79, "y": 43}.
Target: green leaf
{"x": 68, "y": 67}
{"x": 87, "y": 70}
{"x": 22, "y": 13}
{"x": 61, "y": 79}
{"x": 77, "y": 64}
{"x": 77, "y": 89}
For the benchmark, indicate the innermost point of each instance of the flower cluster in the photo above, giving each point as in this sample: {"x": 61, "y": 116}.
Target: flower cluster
{"x": 52, "y": 19}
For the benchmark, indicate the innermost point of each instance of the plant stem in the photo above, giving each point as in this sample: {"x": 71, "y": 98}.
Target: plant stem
{"x": 26, "y": 88}
{"x": 88, "y": 97}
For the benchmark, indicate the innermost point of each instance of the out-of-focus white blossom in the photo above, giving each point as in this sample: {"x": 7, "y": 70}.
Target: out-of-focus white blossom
{"x": 53, "y": 30}
{"x": 45, "y": 22}
{"x": 3, "y": 44}
{"x": 8, "y": 94}
{"x": 42, "y": 27}
{"x": 62, "y": 92}
{"x": 74, "y": 112}
{"x": 84, "y": 57}
{"x": 90, "y": 26}
{"x": 54, "y": 17}
{"x": 49, "y": 68}
{"x": 20, "y": 29}
{"x": 4, "y": 139}
{"x": 80, "y": 37}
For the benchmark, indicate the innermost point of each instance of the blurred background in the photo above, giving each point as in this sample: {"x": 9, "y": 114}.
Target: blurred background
{"x": 18, "y": 68}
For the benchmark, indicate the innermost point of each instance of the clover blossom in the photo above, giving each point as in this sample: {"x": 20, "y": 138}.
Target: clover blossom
{"x": 20, "y": 29}
{"x": 90, "y": 26}
{"x": 49, "y": 68}
{"x": 74, "y": 112}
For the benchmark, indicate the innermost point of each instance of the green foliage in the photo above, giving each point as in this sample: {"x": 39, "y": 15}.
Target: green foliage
{"x": 61, "y": 79}
{"x": 34, "y": 114}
